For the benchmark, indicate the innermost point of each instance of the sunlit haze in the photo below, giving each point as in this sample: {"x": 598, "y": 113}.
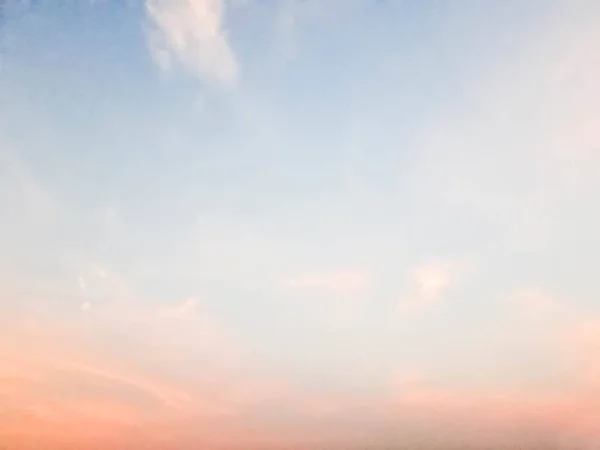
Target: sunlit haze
{"x": 316, "y": 224}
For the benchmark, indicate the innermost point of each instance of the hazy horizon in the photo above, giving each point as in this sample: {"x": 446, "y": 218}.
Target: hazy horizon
{"x": 299, "y": 223}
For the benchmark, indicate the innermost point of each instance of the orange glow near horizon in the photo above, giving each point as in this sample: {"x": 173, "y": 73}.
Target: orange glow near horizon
{"x": 58, "y": 394}
{"x": 299, "y": 224}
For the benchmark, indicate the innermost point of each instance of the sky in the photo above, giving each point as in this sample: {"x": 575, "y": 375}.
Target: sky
{"x": 238, "y": 224}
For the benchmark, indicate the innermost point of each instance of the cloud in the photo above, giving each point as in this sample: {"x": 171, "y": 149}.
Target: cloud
{"x": 429, "y": 283}
{"x": 171, "y": 397}
{"x": 38, "y": 362}
{"x": 81, "y": 282}
{"x": 191, "y": 33}
{"x": 44, "y": 408}
{"x": 56, "y": 396}
{"x": 105, "y": 290}
{"x": 59, "y": 390}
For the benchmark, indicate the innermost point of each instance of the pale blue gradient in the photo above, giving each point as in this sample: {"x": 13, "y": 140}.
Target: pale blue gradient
{"x": 342, "y": 145}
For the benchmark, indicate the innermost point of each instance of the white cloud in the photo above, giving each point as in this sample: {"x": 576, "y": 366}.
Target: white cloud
{"x": 191, "y": 33}
{"x": 105, "y": 290}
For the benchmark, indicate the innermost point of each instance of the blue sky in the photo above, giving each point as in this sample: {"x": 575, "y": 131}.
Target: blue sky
{"x": 330, "y": 197}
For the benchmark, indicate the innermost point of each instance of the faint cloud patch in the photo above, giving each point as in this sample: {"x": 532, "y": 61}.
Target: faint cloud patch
{"x": 106, "y": 291}
{"x": 429, "y": 283}
{"x": 191, "y": 33}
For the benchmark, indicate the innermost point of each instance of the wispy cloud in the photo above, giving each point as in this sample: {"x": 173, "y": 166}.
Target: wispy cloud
{"x": 38, "y": 372}
{"x": 38, "y": 363}
{"x": 104, "y": 289}
{"x": 191, "y": 33}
